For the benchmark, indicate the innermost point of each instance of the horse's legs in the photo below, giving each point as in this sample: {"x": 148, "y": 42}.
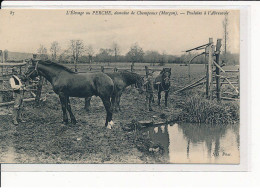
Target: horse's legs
{"x": 113, "y": 102}
{"x": 107, "y": 104}
{"x": 159, "y": 97}
{"x": 87, "y": 103}
{"x": 119, "y": 98}
{"x": 166, "y": 97}
{"x": 72, "y": 117}
{"x": 117, "y": 102}
{"x": 63, "y": 107}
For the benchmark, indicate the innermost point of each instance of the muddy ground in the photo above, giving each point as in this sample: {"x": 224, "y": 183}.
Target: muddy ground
{"x": 43, "y": 138}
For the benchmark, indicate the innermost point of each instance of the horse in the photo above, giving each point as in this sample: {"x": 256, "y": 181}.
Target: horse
{"x": 162, "y": 83}
{"x": 67, "y": 83}
{"x": 121, "y": 80}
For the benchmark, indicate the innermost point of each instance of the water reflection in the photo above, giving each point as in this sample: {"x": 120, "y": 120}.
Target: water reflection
{"x": 197, "y": 143}
{"x": 160, "y": 137}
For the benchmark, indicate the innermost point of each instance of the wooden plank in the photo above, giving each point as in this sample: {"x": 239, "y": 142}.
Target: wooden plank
{"x": 222, "y": 77}
{"x": 226, "y": 98}
{"x": 232, "y": 85}
{"x": 218, "y": 68}
{"x": 13, "y": 64}
{"x": 231, "y": 71}
{"x": 209, "y": 70}
{"x": 229, "y": 93}
{"x": 227, "y": 83}
{"x": 190, "y": 85}
{"x": 198, "y": 48}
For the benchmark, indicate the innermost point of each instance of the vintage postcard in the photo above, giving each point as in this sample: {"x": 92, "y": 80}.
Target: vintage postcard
{"x": 120, "y": 86}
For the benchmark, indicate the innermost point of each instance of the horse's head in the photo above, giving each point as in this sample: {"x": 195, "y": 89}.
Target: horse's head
{"x": 166, "y": 75}
{"x": 32, "y": 71}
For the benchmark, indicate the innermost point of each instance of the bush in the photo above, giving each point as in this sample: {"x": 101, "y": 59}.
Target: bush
{"x": 200, "y": 110}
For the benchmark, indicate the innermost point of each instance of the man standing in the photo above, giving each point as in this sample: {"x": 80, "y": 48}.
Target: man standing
{"x": 18, "y": 93}
{"x": 149, "y": 91}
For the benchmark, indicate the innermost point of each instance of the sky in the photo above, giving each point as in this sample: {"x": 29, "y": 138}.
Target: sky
{"x": 26, "y": 30}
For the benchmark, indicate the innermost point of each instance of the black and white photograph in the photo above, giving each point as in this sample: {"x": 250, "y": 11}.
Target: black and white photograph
{"x": 120, "y": 86}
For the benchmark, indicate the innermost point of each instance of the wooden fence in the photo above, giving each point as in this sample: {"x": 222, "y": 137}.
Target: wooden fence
{"x": 217, "y": 76}
{"x": 105, "y": 69}
{"x": 6, "y": 71}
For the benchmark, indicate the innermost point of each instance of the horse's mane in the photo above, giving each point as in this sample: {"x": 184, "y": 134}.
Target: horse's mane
{"x": 51, "y": 63}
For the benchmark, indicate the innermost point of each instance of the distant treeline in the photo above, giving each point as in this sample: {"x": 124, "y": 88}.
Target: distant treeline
{"x": 151, "y": 57}
{"x": 77, "y": 52}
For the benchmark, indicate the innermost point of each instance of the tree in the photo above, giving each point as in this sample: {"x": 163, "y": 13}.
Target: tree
{"x": 42, "y": 51}
{"x": 5, "y": 55}
{"x": 55, "y": 48}
{"x": 162, "y": 59}
{"x": 90, "y": 53}
{"x": 65, "y": 57}
{"x": 76, "y": 49}
{"x": 225, "y": 24}
{"x": 152, "y": 57}
{"x": 116, "y": 50}
{"x": 135, "y": 54}
{"x": 104, "y": 55}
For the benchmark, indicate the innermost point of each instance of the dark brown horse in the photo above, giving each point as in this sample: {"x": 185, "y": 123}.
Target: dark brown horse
{"x": 162, "y": 83}
{"x": 121, "y": 81}
{"x": 67, "y": 83}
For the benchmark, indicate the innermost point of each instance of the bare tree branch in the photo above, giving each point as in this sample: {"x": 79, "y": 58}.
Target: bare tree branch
{"x": 55, "y": 48}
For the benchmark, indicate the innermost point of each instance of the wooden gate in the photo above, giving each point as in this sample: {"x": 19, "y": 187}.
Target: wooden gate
{"x": 215, "y": 76}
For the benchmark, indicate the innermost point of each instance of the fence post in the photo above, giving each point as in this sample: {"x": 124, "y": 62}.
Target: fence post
{"x": 132, "y": 67}
{"x": 218, "y": 80}
{"x": 102, "y": 69}
{"x": 209, "y": 70}
{"x": 146, "y": 71}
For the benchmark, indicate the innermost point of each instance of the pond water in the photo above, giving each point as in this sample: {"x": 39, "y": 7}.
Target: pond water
{"x": 197, "y": 143}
